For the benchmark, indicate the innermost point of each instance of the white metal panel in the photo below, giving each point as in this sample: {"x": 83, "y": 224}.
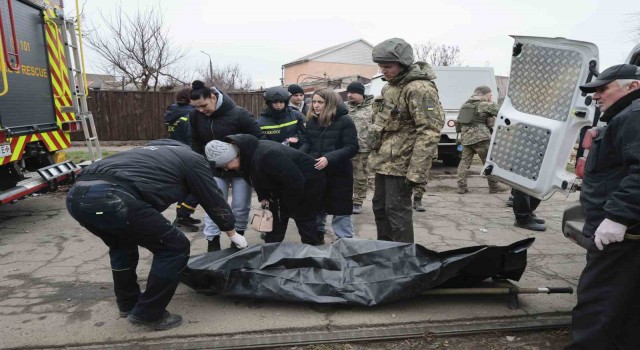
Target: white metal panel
{"x": 356, "y": 53}
{"x": 542, "y": 114}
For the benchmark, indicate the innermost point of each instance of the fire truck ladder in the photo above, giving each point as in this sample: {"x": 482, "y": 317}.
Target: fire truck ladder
{"x": 72, "y": 40}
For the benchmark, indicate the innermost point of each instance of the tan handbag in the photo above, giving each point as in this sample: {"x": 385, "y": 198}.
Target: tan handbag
{"x": 262, "y": 221}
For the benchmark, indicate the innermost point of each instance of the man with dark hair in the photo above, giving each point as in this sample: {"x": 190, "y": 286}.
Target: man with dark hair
{"x": 176, "y": 118}
{"x": 360, "y": 111}
{"x": 404, "y": 136}
{"x": 121, "y": 198}
{"x": 607, "y": 315}
{"x": 297, "y": 98}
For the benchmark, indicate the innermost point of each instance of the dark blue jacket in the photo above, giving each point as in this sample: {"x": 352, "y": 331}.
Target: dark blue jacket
{"x": 281, "y": 125}
{"x": 176, "y": 118}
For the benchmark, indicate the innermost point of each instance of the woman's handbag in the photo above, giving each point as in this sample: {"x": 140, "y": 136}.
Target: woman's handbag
{"x": 262, "y": 221}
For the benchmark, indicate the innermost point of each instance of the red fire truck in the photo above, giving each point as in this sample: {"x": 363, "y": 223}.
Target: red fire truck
{"x": 42, "y": 97}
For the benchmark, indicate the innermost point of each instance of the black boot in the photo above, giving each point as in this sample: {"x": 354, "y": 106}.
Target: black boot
{"x": 417, "y": 205}
{"x": 185, "y": 225}
{"x": 192, "y": 220}
{"x": 536, "y": 219}
{"x": 214, "y": 244}
{"x": 167, "y": 321}
{"x": 529, "y": 224}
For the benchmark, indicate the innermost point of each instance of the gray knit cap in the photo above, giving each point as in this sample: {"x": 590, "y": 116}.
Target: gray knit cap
{"x": 220, "y": 152}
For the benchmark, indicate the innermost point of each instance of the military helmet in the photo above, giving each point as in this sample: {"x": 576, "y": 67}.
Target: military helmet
{"x": 277, "y": 93}
{"x": 393, "y": 50}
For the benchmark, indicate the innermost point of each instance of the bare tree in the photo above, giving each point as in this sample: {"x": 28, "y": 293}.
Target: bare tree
{"x": 136, "y": 47}
{"x": 437, "y": 55}
{"x": 227, "y": 78}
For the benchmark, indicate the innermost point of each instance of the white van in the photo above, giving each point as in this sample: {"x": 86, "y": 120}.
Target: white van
{"x": 455, "y": 85}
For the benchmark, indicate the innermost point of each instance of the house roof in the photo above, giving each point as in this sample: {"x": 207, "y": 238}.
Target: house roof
{"x": 325, "y": 51}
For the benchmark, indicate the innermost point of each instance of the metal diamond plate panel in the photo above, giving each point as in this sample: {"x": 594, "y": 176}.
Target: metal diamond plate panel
{"x": 543, "y": 81}
{"x": 520, "y": 149}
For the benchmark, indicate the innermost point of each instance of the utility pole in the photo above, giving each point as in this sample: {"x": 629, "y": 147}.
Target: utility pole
{"x": 210, "y": 67}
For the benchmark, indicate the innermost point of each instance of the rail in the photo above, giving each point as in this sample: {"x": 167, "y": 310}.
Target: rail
{"x": 7, "y": 53}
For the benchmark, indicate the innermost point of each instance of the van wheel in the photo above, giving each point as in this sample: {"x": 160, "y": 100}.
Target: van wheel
{"x": 451, "y": 160}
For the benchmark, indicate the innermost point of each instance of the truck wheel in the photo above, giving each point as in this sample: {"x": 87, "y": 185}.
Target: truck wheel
{"x": 451, "y": 160}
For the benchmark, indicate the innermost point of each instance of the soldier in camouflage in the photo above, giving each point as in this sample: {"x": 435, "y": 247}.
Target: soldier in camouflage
{"x": 360, "y": 111}
{"x": 475, "y": 124}
{"x": 404, "y": 136}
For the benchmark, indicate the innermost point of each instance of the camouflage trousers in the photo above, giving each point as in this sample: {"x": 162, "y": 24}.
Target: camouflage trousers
{"x": 468, "y": 151}
{"x": 419, "y": 190}
{"x": 360, "y": 177}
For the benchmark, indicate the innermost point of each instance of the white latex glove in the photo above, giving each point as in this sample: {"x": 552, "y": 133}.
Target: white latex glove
{"x": 609, "y": 232}
{"x": 239, "y": 241}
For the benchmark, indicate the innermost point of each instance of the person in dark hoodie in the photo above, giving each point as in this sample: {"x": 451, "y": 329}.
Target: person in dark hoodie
{"x": 215, "y": 116}
{"x": 121, "y": 198}
{"x": 286, "y": 181}
{"x": 332, "y": 140}
{"x": 176, "y": 118}
{"x": 279, "y": 121}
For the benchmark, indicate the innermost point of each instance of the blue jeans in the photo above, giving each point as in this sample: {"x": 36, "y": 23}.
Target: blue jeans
{"x": 124, "y": 222}
{"x": 240, "y": 204}
{"x": 342, "y": 225}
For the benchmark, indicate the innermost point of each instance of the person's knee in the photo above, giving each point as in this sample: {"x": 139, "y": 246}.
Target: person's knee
{"x": 122, "y": 259}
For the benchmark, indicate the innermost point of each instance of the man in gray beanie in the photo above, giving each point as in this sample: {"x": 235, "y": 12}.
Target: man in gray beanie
{"x": 225, "y": 155}
{"x": 407, "y": 118}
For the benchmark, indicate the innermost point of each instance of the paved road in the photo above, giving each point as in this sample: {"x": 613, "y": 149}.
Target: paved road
{"x": 55, "y": 281}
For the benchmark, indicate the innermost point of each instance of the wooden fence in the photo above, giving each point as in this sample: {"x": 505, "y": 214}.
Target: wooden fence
{"x": 136, "y": 115}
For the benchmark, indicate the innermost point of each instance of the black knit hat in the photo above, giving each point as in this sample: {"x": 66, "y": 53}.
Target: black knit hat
{"x": 295, "y": 89}
{"x": 356, "y": 87}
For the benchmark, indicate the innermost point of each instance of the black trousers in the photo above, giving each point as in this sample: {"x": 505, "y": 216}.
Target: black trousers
{"x": 187, "y": 207}
{"x": 304, "y": 216}
{"x": 607, "y": 315}
{"x": 392, "y": 209}
{"x": 523, "y": 205}
{"x": 124, "y": 222}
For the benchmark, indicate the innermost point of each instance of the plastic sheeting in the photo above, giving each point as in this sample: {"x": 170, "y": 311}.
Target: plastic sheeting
{"x": 350, "y": 271}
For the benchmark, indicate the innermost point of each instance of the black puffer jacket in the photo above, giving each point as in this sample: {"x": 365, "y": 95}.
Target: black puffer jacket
{"x": 162, "y": 173}
{"x": 282, "y": 174}
{"x": 611, "y": 185}
{"x": 338, "y": 142}
{"x": 228, "y": 119}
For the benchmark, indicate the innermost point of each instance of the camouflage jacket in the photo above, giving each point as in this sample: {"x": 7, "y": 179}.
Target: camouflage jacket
{"x": 408, "y": 118}
{"x": 362, "y": 116}
{"x": 475, "y": 132}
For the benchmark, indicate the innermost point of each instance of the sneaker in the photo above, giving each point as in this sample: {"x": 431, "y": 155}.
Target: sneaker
{"x": 167, "y": 321}
{"x": 184, "y": 224}
{"x": 214, "y": 244}
{"x": 462, "y": 190}
{"x": 357, "y": 209}
{"x": 530, "y": 225}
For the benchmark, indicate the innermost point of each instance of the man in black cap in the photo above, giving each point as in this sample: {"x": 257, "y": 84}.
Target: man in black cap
{"x": 360, "y": 111}
{"x": 607, "y": 315}
{"x": 297, "y": 98}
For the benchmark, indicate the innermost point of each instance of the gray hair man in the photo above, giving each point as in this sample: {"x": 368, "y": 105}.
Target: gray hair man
{"x": 606, "y": 315}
